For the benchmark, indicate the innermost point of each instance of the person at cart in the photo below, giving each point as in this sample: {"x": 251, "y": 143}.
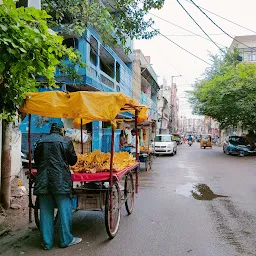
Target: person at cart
{"x": 53, "y": 155}
{"x": 133, "y": 143}
{"x": 123, "y": 143}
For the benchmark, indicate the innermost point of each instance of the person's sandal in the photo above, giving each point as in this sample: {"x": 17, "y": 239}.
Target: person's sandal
{"x": 44, "y": 247}
{"x": 76, "y": 240}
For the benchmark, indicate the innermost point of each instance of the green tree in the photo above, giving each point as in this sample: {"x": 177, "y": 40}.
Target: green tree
{"x": 27, "y": 48}
{"x": 113, "y": 20}
{"x": 227, "y": 93}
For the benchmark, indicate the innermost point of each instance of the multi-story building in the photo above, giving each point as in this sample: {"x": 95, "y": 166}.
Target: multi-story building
{"x": 246, "y": 46}
{"x": 107, "y": 69}
{"x": 164, "y": 108}
{"x": 145, "y": 86}
{"x": 174, "y": 109}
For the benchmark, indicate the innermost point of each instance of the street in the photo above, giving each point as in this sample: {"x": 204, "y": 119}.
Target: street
{"x": 168, "y": 219}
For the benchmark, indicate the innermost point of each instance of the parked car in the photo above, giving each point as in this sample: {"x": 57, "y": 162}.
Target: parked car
{"x": 165, "y": 144}
{"x": 236, "y": 145}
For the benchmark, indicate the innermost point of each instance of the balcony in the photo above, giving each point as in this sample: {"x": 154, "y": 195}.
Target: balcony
{"x": 104, "y": 71}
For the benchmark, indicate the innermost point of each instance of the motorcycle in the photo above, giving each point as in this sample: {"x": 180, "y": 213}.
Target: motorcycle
{"x": 190, "y": 143}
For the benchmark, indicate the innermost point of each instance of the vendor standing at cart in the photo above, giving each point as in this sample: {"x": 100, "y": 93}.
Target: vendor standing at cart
{"x": 53, "y": 155}
{"x": 133, "y": 143}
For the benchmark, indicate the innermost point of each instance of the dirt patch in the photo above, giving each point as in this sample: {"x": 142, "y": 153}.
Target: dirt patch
{"x": 17, "y": 218}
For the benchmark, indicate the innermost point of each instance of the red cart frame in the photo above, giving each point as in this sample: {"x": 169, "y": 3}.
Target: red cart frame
{"x": 112, "y": 194}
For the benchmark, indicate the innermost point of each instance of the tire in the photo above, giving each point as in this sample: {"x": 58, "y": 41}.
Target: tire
{"x": 129, "y": 192}
{"x": 115, "y": 194}
{"x": 37, "y": 214}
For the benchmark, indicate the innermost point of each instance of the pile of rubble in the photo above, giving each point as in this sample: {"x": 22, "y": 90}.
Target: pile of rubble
{"x": 17, "y": 216}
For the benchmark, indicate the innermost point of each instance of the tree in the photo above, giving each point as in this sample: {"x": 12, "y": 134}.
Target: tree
{"x": 113, "y": 20}
{"x": 28, "y": 48}
{"x": 227, "y": 93}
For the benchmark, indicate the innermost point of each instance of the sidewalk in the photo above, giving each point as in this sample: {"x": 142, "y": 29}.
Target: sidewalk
{"x": 14, "y": 223}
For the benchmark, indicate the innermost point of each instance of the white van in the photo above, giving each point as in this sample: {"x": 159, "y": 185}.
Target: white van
{"x": 165, "y": 144}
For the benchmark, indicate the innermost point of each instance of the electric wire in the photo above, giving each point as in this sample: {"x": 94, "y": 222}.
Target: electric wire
{"x": 195, "y": 34}
{"x": 170, "y": 40}
{"x": 182, "y": 48}
{"x": 225, "y": 18}
{"x": 199, "y": 26}
{"x": 218, "y": 25}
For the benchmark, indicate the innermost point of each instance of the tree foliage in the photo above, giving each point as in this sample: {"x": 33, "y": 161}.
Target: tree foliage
{"x": 28, "y": 48}
{"x": 114, "y": 20}
{"x": 227, "y": 93}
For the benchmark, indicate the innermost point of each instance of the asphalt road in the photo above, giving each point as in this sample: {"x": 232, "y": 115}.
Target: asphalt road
{"x": 217, "y": 218}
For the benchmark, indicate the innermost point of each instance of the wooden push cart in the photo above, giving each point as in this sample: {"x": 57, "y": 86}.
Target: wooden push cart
{"x": 91, "y": 191}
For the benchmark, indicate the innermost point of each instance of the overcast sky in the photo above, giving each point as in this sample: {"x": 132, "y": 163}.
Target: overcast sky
{"x": 169, "y": 60}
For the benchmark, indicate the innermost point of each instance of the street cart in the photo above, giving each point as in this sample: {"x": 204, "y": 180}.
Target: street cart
{"x": 98, "y": 188}
{"x": 146, "y": 151}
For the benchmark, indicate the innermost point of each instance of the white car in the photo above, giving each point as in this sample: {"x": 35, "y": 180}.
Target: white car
{"x": 165, "y": 144}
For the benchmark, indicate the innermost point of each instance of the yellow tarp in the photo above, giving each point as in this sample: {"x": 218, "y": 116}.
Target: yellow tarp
{"x": 89, "y": 106}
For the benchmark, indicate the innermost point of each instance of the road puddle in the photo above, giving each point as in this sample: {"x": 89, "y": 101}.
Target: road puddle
{"x": 197, "y": 191}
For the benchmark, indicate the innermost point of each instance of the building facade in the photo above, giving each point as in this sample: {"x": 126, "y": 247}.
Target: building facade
{"x": 246, "y": 46}
{"x": 145, "y": 86}
{"x": 107, "y": 69}
{"x": 174, "y": 109}
{"x": 164, "y": 108}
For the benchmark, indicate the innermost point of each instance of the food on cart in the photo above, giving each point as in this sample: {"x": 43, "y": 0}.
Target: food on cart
{"x": 98, "y": 161}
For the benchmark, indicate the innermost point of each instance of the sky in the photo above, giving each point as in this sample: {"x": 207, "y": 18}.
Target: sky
{"x": 169, "y": 60}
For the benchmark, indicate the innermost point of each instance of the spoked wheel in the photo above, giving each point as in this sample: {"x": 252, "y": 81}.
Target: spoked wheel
{"x": 113, "y": 210}
{"x": 146, "y": 165}
{"x": 129, "y": 193}
{"x": 37, "y": 214}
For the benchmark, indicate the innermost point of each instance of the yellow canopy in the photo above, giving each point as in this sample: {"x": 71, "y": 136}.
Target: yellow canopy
{"x": 89, "y": 106}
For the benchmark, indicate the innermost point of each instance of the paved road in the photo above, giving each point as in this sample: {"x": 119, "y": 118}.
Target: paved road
{"x": 168, "y": 219}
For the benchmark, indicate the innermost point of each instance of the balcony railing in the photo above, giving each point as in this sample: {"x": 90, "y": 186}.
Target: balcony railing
{"x": 92, "y": 72}
{"x": 107, "y": 80}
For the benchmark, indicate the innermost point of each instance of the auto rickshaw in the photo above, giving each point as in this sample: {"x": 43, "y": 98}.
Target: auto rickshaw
{"x": 205, "y": 141}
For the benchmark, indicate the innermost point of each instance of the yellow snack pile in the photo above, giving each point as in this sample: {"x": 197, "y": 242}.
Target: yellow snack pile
{"x": 98, "y": 161}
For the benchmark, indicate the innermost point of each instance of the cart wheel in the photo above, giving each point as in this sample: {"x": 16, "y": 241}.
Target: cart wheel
{"x": 113, "y": 214}
{"x": 146, "y": 165}
{"x": 129, "y": 193}
{"x": 37, "y": 214}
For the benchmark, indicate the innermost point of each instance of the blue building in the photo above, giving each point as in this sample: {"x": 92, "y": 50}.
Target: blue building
{"x": 107, "y": 69}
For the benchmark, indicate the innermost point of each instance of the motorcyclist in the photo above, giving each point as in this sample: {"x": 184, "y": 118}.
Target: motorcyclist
{"x": 190, "y": 138}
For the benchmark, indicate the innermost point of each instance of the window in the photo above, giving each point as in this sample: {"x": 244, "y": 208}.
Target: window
{"x": 71, "y": 42}
{"x": 93, "y": 50}
{"x": 118, "y": 72}
{"x": 167, "y": 138}
{"x": 21, "y": 3}
{"x": 252, "y": 56}
{"x": 106, "y": 62}
{"x": 238, "y": 141}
